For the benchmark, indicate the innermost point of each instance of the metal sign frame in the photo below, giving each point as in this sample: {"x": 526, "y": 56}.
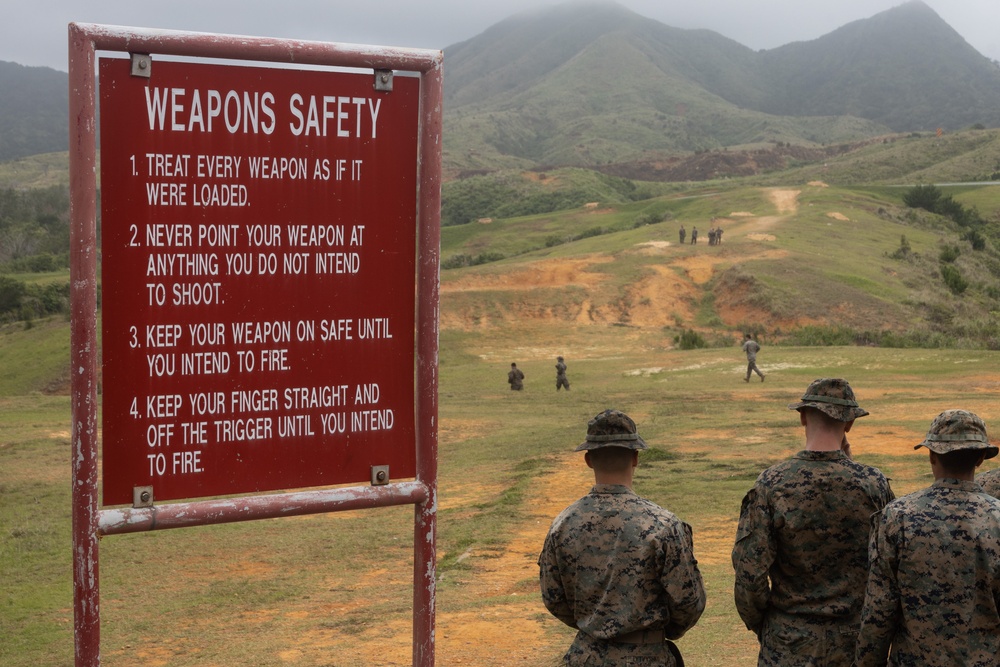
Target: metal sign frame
{"x": 90, "y": 522}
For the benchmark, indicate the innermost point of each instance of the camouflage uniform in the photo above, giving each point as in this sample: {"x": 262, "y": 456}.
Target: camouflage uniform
{"x": 620, "y": 569}
{"x": 752, "y": 347}
{"x": 804, "y": 525}
{"x": 681, "y": 233}
{"x": 990, "y": 481}
{"x": 561, "y": 380}
{"x": 515, "y": 378}
{"x": 694, "y": 235}
{"x": 934, "y": 583}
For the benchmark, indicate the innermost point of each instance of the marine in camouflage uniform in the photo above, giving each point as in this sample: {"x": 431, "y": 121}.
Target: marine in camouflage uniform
{"x": 681, "y": 233}
{"x": 619, "y": 568}
{"x": 561, "y": 380}
{"x": 934, "y": 583}
{"x": 990, "y": 481}
{"x": 515, "y": 378}
{"x": 801, "y": 556}
{"x": 751, "y": 348}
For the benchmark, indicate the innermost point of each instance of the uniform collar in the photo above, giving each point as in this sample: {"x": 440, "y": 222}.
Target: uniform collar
{"x": 610, "y": 488}
{"x": 960, "y": 484}
{"x": 833, "y": 455}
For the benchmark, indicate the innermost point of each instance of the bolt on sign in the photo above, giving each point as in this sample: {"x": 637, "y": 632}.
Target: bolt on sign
{"x": 258, "y": 292}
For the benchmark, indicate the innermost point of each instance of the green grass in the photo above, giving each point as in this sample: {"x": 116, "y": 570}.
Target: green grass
{"x": 180, "y": 595}
{"x": 302, "y": 590}
{"x": 34, "y": 356}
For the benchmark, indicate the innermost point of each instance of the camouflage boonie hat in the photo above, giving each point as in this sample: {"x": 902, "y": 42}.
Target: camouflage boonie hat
{"x": 832, "y": 396}
{"x": 953, "y": 430}
{"x": 611, "y": 428}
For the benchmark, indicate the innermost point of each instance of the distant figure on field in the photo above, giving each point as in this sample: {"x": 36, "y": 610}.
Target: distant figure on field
{"x": 718, "y": 236}
{"x": 751, "y": 347}
{"x": 694, "y": 235}
{"x": 617, "y": 568}
{"x": 561, "y": 380}
{"x": 681, "y": 233}
{"x": 711, "y": 236}
{"x": 933, "y": 594}
{"x": 515, "y": 378}
{"x": 801, "y": 552}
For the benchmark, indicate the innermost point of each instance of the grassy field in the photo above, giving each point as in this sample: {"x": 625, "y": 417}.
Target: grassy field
{"x": 335, "y": 589}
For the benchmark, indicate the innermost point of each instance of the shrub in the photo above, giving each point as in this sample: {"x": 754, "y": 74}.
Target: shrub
{"x": 690, "y": 340}
{"x": 975, "y": 239}
{"x": 953, "y": 279}
{"x": 904, "y": 251}
{"x": 593, "y": 231}
{"x": 949, "y": 254}
{"x": 923, "y": 196}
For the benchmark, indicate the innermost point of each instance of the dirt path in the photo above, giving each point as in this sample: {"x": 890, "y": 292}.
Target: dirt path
{"x": 494, "y": 635}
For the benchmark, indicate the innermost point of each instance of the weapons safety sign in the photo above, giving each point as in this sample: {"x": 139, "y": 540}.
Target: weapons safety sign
{"x": 258, "y": 240}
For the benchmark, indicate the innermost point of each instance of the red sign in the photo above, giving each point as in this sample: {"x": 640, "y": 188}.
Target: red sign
{"x": 258, "y": 261}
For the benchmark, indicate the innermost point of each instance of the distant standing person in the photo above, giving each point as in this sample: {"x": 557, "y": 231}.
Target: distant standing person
{"x": 751, "y": 347}
{"x": 718, "y": 236}
{"x": 711, "y": 236}
{"x": 933, "y": 595}
{"x": 681, "y": 233}
{"x": 561, "y": 380}
{"x": 617, "y": 568}
{"x": 515, "y": 378}
{"x": 694, "y": 235}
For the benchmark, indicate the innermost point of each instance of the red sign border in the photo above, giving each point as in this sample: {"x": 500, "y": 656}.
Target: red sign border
{"x": 89, "y": 521}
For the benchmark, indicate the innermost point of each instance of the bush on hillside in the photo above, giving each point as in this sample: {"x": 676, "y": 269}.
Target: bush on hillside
{"x": 23, "y": 301}
{"x": 949, "y": 254}
{"x": 904, "y": 251}
{"x": 953, "y": 279}
{"x": 975, "y": 239}
{"x": 923, "y": 196}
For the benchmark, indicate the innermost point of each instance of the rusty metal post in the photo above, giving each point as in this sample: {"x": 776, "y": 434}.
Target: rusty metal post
{"x": 83, "y": 347}
{"x": 425, "y": 513}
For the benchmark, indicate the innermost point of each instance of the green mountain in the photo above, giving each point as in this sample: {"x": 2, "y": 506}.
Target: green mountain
{"x": 905, "y": 68}
{"x": 593, "y": 84}
{"x": 33, "y": 111}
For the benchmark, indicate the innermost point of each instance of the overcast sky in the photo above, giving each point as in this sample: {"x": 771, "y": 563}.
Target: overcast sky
{"x": 33, "y": 32}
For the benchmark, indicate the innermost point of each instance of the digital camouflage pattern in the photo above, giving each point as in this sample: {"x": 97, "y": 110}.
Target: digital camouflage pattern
{"x": 614, "y": 563}
{"x": 990, "y": 481}
{"x": 934, "y": 585}
{"x": 833, "y": 397}
{"x": 953, "y": 430}
{"x": 933, "y": 592}
{"x": 561, "y": 380}
{"x": 515, "y": 378}
{"x": 612, "y": 428}
{"x": 801, "y": 557}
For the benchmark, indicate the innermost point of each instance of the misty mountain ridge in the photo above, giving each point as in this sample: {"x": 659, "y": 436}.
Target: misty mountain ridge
{"x": 594, "y": 84}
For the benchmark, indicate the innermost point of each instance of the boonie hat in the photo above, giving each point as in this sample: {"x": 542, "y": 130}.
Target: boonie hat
{"x": 833, "y": 397}
{"x": 611, "y": 428}
{"x": 953, "y": 430}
